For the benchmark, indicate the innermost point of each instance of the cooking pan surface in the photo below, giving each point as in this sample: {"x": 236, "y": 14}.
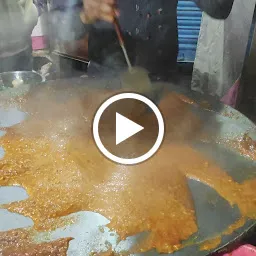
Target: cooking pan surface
{"x": 214, "y": 214}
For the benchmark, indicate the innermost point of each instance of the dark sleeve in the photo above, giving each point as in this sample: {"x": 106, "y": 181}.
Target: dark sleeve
{"x": 218, "y": 9}
{"x": 67, "y": 25}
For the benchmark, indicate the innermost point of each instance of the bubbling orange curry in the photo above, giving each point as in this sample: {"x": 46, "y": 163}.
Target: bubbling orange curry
{"x": 53, "y": 156}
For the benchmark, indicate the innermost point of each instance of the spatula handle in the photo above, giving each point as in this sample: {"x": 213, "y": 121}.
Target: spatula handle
{"x": 121, "y": 42}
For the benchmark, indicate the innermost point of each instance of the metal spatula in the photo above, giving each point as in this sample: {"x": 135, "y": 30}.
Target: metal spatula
{"x": 135, "y": 78}
{"x": 121, "y": 42}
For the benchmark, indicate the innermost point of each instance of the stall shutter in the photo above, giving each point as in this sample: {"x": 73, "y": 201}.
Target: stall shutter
{"x": 189, "y": 22}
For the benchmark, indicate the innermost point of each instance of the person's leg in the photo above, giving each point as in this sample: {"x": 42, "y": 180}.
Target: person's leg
{"x": 22, "y": 61}
{"x": 7, "y": 64}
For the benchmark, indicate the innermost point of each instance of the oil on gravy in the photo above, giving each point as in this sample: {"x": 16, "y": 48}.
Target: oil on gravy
{"x": 52, "y": 154}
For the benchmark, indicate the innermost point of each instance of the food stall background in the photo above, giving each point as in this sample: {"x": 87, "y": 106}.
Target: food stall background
{"x": 71, "y": 58}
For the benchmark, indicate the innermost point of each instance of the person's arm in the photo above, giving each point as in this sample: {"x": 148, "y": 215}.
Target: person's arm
{"x": 75, "y": 24}
{"x": 67, "y": 24}
{"x": 218, "y": 9}
{"x": 30, "y": 14}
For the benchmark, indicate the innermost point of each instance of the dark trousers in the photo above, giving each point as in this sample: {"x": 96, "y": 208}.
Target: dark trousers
{"x": 22, "y": 61}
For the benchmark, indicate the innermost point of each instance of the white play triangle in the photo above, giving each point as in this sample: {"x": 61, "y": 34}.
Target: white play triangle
{"x": 125, "y": 128}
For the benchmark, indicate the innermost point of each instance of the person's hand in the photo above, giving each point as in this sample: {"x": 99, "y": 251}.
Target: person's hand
{"x": 98, "y": 10}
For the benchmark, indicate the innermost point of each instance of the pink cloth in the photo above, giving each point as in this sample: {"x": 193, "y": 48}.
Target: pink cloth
{"x": 245, "y": 250}
{"x": 231, "y": 97}
{"x": 39, "y": 42}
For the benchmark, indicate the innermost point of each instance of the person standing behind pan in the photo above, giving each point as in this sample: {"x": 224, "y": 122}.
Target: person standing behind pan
{"x": 149, "y": 28}
{"x": 17, "y": 21}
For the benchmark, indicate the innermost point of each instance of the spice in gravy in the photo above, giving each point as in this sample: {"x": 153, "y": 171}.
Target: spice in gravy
{"x": 18, "y": 243}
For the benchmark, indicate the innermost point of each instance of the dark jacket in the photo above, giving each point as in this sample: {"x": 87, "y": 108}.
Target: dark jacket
{"x": 149, "y": 28}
